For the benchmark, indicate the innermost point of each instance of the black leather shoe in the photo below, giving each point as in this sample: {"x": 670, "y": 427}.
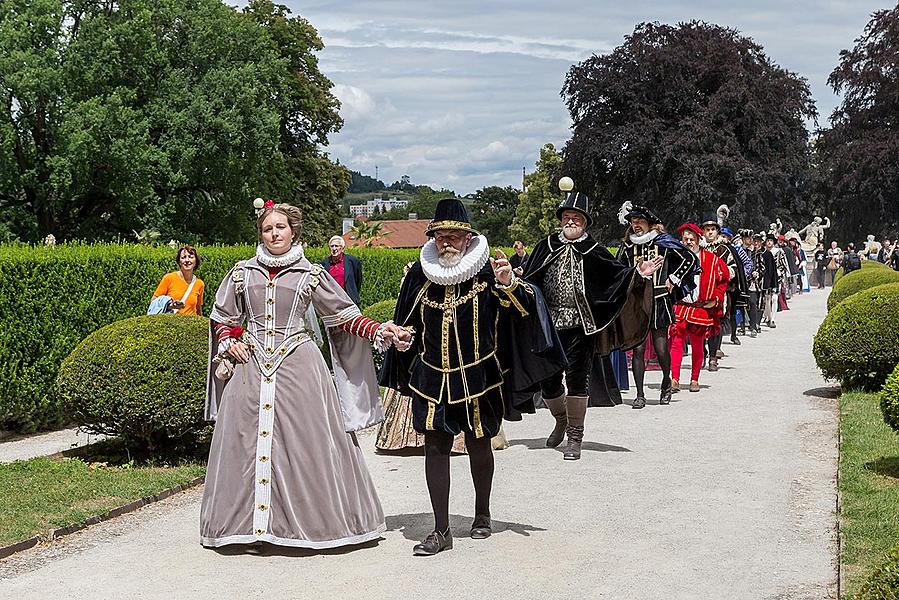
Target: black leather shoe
{"x": 735, "y": 341}
{"x": 639, "y": 402}
{"x": 435, "y": 542}
{"x": 480, "y": 527}
{"x": 665, "y": 398}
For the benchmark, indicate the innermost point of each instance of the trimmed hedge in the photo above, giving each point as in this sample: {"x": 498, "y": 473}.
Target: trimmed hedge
{"x": 51, "y": 298}
{"x": 142, "y": 380}
{"x": 381, "y": 311}
{"x": 883, "y": 582}
{"x": 889, "y": 400}
{"x": 858, "y": 341}
{"x": 858, "y": 281}
{"x": 866, "y": 264}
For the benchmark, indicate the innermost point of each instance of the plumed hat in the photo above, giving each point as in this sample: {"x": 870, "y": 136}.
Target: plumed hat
{"x": 746, "y": 233}
{"x": 629, "y": 211}
{"x": 717, "y": 218}
{"x": 576, "y": 201}
{"x": 690, "y": 227}
{"x": 450, "y": 214}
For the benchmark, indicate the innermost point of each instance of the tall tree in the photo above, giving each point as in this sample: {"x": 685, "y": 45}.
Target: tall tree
{"x": 859, "y": 154}
{"x": 492, "y": 212}
{"x": 683, "y": 118}
{"x": 535, "y": 215}
{"x": 159, "y": 114}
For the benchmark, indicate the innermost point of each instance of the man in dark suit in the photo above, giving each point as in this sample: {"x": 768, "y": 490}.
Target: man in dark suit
{"x": 345, "y": 269}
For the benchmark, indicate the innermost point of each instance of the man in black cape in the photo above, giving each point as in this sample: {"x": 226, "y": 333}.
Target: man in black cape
{"x": 597, "y": 305}
{"x": 481, "y": 341}
{"x": 645, "y": 239}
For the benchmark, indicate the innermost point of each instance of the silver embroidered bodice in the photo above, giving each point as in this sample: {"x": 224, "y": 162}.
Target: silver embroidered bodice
{"x": 559, "y": 291}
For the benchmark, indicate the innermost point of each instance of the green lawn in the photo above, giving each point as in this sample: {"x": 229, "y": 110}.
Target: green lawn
{"x": 869, "y": 487}
{"x": 47, "y": 493}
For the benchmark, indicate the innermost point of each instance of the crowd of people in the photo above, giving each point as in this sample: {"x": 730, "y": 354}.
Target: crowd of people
{"x": 475, "y": 339}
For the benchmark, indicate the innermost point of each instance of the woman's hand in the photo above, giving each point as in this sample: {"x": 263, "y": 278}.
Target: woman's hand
{"x": 239, "y": 352}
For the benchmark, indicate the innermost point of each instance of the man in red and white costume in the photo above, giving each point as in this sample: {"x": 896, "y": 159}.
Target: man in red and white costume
{"x": 698, "y": 316}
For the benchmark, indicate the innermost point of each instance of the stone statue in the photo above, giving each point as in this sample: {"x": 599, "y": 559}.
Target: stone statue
{"x": 814, "y": 233}
{"x": 871, "y": 248}
{"x": 776, "y": 228}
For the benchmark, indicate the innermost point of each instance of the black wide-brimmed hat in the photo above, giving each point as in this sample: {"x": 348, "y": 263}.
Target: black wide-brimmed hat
{"x": 450, "y": 214}
{"x": 576, "y": 201}
{"x": 770, "y": 236}
{"x": 641, "y": 212}
{"x": 710, "y": 219}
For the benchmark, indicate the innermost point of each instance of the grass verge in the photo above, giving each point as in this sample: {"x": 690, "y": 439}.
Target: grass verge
{"x": 52, "y": 492}
{"x": 869, "y": 487}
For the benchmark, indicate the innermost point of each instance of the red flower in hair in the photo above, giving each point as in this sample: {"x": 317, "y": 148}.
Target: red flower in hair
{"x": 268, "y": 204}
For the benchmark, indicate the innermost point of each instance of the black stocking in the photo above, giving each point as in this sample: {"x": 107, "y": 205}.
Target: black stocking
{"x": 438, "y": 445}
{"x": 638, "y": 363}
{"x": 480, "y": 459}
{"x": 714, "y": 346}
{"x": 660, "y": 344}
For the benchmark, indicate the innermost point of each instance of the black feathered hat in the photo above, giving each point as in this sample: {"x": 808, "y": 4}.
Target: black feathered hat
{"x": 576, "y": 201}
{"x": 450, "y": 214}
{"x": 629, "y": 211}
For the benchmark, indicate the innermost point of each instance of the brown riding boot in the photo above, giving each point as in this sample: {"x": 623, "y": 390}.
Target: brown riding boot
{"x": 577, "y": 412}
{"x": 556, "y": 408}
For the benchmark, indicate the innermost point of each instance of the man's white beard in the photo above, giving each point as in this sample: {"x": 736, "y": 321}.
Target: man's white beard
{"x": 449, "y": 257}
{"x": 572, "y": 232}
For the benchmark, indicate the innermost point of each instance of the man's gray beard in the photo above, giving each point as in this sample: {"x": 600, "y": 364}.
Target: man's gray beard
{"x": 449, "y": 259}
{"x": 572, "y": 233}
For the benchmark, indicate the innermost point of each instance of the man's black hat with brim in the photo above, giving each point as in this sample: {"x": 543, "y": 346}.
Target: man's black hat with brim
{"x": 450, "y": 214}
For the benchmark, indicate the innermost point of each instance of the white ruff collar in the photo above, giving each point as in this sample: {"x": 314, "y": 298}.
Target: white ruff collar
{"x": 703, "y": 243}
{"x": 472, "y": 262}
{"x": 565, "y": 240}
{"x": 645, "y": 238}
{"x": 281, "y": 260}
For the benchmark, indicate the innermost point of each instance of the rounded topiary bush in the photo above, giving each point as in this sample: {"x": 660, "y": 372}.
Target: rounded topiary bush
{"x": 142, "y": 380}
{"x": 858, "y": 342}
{"x": 858, "y": 281}
{"x": 883, "y": 582}
{"x": 866, "y": 264}
{"x": 889, "y": 400}
{"x": 381, "y": 311}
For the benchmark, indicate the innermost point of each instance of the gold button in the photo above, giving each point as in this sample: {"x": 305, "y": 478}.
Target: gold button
{"x": 268, "y": 365}
{"x": 268, "y": 379}
{"x": 270, "y": 332}
{"x": 271, "y": 284}
{"x": 263, "y": 433}
{"x": 282, "y": 351}
{"x": 270, "y": 301}
{"x": 263, "y": 481}
{"x": 269, "y": 350}
{"x": 260, "y": 531}
{"x": 252, "y": 346}
{"x": 262, "y": 507}
{"x": 268, "y": 317}
{"x": 267, "y": 406}
{"x": 263, "y": 459}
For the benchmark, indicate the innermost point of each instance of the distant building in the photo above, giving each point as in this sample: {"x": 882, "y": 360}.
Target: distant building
{"x": 368, "y": 209}
{"x": 409, "y": 233}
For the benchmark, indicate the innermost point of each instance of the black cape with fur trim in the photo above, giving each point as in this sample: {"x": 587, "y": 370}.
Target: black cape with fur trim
{"x": 528, "y": 349}
{"x": 619, "y": 299}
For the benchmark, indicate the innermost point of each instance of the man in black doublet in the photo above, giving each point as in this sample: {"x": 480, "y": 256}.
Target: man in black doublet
{"x": 597, "y": 305}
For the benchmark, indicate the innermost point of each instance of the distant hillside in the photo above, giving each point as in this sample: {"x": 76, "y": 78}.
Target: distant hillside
{"x": 362, "y": 184}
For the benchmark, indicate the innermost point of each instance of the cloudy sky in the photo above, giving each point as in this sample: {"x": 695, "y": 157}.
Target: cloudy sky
{"x": 462, "y": 94}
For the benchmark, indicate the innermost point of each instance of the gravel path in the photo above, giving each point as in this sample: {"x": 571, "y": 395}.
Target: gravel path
{"x": 727, "y": 493}
{"x": 44, "y": 444}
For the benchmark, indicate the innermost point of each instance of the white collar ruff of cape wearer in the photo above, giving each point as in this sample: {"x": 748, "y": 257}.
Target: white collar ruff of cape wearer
{"x": 645, "y": 238}
{"x": 281, "y": 260}
{"x": 565, "y": 240}
{"x": 472, "y": 262}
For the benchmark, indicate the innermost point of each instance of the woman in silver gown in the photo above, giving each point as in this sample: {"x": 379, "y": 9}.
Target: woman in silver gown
{"x": 284, "y": 464}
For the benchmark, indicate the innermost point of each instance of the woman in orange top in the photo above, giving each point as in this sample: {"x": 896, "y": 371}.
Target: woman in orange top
{"x": 175, "y": 284}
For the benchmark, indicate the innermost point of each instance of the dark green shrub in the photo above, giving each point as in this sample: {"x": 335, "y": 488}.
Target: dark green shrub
{"x": 858, "y": 281}
{"x": 381, "y": 311}
{"x": 883, "y": 582}
{"x": 142, "y": 380}
{"x": 51, "y": 298}
{"x": 858, "y": 342}
{"x": 889, "y": 400}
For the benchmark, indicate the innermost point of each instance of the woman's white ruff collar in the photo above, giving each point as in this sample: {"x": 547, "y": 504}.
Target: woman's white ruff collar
{"x": 472, "y": 262}
{"x": 282, "y": 260}
{"x": 645, "y": 238}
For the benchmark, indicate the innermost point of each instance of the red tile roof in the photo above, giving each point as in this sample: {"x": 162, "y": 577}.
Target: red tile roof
{"x": 402, "y": 234}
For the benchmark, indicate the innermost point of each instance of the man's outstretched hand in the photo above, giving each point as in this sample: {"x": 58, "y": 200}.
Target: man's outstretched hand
{"x": 502, "y": 268}
{"x": 648, "y": 267}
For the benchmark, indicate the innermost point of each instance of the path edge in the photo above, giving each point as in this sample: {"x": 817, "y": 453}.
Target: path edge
{"x": 7, "y": 551}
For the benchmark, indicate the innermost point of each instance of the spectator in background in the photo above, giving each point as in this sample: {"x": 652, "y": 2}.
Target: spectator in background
{"x": 835, "y": 254}
{"x": 182, "y": 286}
{"x": 851, "y": 261}
{"x": 886, "y": 251}
{"x": 518, "y": 259}
{"x": 821, "y": 260}
{"x": 344, "y": 268}
{"x": 894, "y": 257}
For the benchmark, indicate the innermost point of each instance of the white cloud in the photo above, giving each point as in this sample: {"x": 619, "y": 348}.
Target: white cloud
{"x": 355, "y": 103}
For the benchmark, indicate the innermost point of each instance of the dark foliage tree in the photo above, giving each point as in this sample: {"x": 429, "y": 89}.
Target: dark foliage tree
{"x": 859, "y": 154}
{"x": 160, "y": 114}
{"x": 684, "y": 118}
{"x": 492, "y": 212}
{"x": 361, "y": 184}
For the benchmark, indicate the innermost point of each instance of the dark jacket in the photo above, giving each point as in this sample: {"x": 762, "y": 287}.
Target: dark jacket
{"x": 352, "y": 275}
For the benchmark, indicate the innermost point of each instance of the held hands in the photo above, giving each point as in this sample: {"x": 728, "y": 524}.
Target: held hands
{"x": 502, "y": 270}
{"x": 396, "y": 335}
{"x": 239, "y": 352}
{"x": 648, "y": 267}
